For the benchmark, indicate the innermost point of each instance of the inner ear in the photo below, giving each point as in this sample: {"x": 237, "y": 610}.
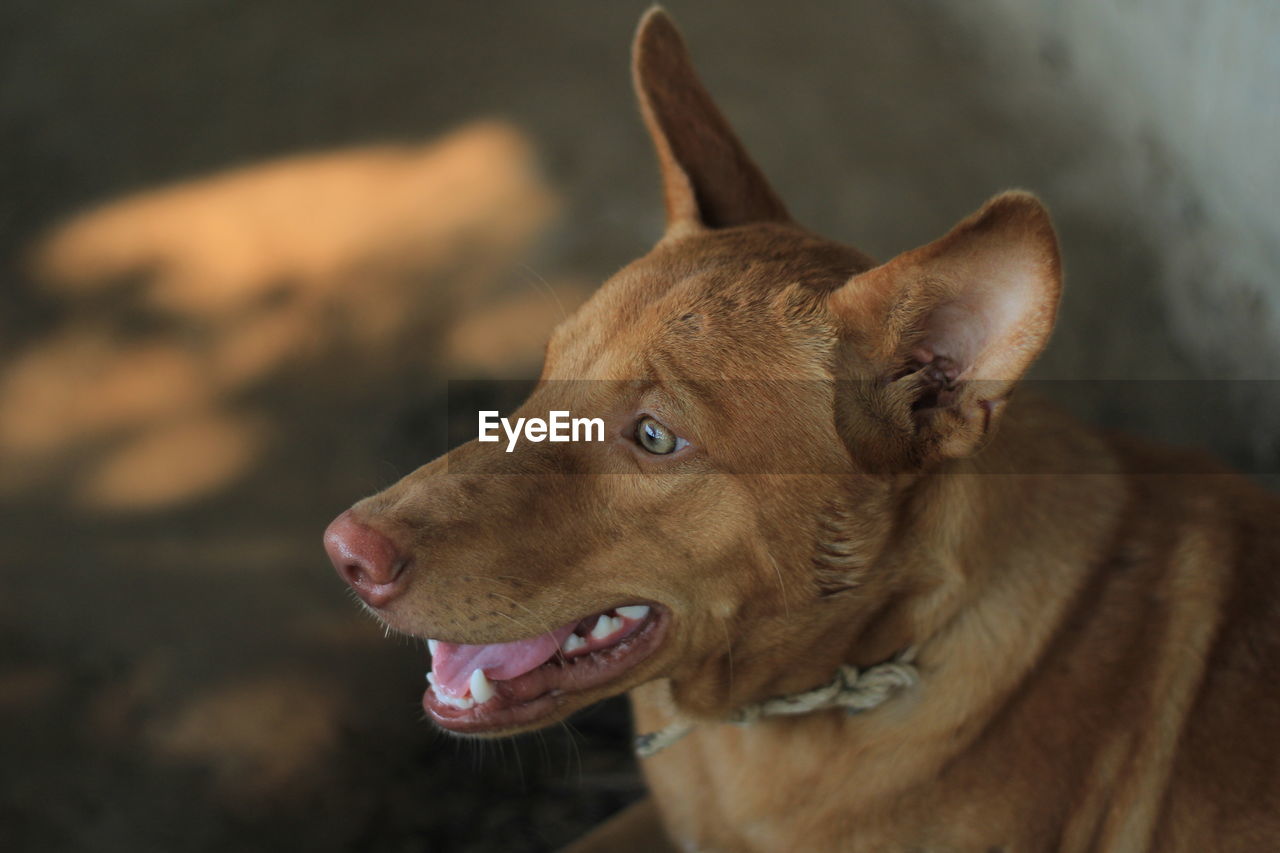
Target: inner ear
{"x": 952, "y": 340}
{"x": 708, "y": 178}
{"x": 947, "y": 329}
{"x": 938, "y": 378}
{"x": 942, "y": 365}
{"x": 968, "y": 333}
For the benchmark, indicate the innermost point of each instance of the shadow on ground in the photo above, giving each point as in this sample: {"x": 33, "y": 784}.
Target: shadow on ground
{"x": 238, "y": 357}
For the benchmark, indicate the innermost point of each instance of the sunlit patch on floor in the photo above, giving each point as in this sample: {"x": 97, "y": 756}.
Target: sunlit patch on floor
{"x": 212, "y": 246}
{"x": 173, "y": 463}
{"x": 258, "y": 737}
{"x": 29, "y": 687}
{"x": 84, "y": 383}
{"x": 509, "y": 335}
{"x": 184, "y": 303}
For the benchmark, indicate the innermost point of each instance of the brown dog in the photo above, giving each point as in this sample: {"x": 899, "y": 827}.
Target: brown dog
{"x": 1081, "y": 646}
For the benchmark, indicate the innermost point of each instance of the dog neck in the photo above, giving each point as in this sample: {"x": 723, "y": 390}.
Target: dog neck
{"x": 969, "y": 554}
{"x": 999, "y": 548}
{"x": 851, "y": 690}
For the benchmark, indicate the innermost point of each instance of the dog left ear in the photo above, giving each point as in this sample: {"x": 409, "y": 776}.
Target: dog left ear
{"x": 708, "y": 178}
{"x": 948, "y": 329}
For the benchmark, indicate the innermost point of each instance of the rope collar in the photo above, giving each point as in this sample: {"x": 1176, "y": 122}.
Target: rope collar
{"x": 855, "y": 691}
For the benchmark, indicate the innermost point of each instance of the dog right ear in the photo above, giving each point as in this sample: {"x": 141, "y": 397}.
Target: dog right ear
{"x": 707, "y": 177}
{"x": 938, "y": 336}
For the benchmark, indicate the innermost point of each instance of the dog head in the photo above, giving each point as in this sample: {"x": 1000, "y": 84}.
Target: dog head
{"x": 767, "y": 397}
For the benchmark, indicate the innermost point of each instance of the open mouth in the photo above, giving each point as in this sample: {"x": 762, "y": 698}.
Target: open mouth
{"x": 488, "y": 688}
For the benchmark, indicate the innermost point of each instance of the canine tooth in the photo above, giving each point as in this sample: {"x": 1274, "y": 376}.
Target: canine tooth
{"x": 605, "y": 626}
{"x": 636, "y": 611}
{"x": 573, "y": 642}
{"x": 432, "y": 645}
{"x": 481, "y": 689}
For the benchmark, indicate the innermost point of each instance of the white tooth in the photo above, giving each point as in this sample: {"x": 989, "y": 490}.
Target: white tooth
{"x": 431, "y": 679}
{"x": 637, "y": 611}
{"x": 432, "y": 645}
{"x": 481, "y": 689}
{"x": 573, "y": 642}
{"x": 606, "y": 625}
{"x": 461, "y": 704}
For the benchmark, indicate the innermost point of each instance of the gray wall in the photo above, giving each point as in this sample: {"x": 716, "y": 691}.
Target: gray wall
{"x": 1186, "y": 94}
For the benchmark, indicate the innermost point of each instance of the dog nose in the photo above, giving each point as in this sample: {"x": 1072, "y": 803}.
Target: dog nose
{"x": 366, "y": 559}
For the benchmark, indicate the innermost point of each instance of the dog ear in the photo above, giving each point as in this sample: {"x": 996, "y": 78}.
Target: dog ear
{"x": 946, "y": 330}
{"x": 707, "y": 176}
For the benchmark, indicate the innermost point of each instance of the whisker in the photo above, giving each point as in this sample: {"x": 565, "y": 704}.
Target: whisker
{"x": 515, "y": 750}
{"x": 564, "y": 315}
{"x": 571, "y": 743}
{"x": 541, "y": 737}
{"x": 524, "y": 626}
{"x": 546, "y": 630}
{"x": 782, "y": 587}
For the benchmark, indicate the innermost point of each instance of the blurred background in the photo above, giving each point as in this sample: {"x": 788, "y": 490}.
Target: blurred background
{"x": 246, "y": 244}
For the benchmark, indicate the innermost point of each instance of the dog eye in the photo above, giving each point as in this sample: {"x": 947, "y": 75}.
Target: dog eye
{"x": 656, "y": 438}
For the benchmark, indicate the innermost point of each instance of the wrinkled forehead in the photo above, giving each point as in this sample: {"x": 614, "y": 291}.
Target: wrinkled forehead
{"x": 738, "y": 303}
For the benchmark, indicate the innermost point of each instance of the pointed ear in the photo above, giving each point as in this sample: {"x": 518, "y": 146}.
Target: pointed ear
{"x": 940, "y": 335}
{"x": 707, "y": 177}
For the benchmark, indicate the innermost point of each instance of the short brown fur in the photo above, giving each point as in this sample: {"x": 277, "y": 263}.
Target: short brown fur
{"x": 1097, "y": 650}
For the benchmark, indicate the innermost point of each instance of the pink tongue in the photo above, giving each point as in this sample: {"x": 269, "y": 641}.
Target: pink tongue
{"x": 453, "y": 664}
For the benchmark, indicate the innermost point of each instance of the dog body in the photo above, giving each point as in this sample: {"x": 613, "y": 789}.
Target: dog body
{"x": 1096, "y": 668}
{"x": 802, "y": 470}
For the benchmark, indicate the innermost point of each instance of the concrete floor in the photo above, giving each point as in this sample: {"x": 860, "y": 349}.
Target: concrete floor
{"x": 231, "y": 310}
